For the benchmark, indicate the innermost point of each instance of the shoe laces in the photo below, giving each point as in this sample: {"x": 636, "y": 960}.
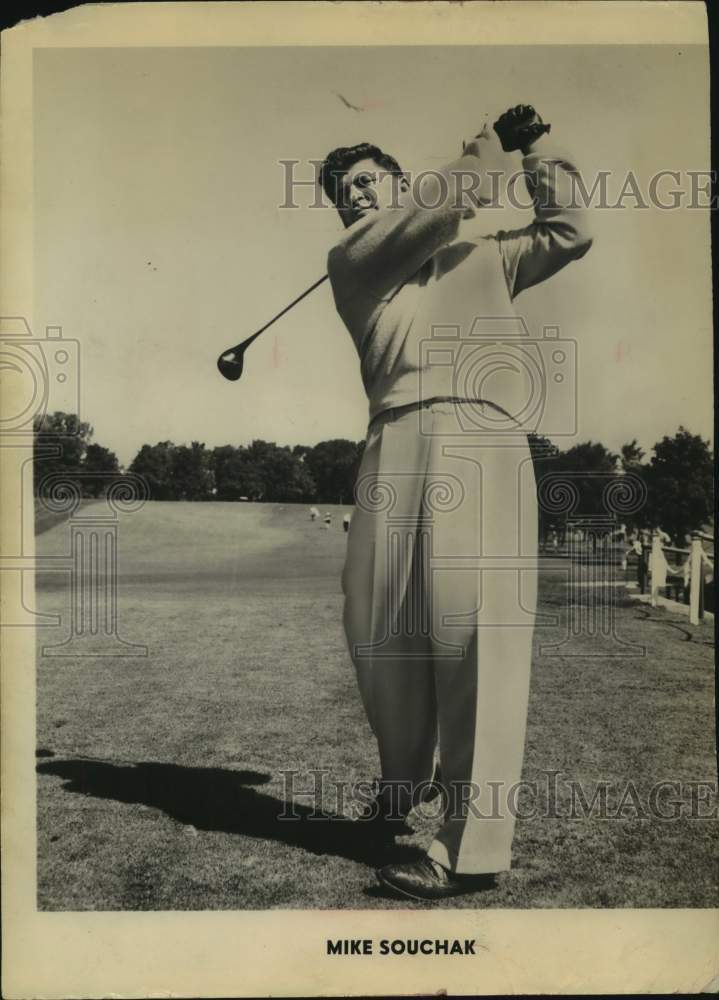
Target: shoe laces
{"x": 434, "y": 867}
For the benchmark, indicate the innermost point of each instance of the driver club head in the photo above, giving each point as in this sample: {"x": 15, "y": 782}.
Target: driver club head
{"x": 230, "y": 365}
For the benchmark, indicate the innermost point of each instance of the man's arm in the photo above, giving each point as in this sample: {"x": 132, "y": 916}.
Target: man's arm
{"x": 559, "y": 232}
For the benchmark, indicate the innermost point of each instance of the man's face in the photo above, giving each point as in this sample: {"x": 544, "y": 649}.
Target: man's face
{"x": 367, "y": 187}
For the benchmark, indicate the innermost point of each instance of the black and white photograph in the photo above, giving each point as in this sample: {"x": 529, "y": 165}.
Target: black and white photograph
{"x": 359, "y": 401}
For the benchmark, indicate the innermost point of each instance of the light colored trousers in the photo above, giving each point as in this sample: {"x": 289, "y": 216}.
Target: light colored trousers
{"x": 440, "y": 598}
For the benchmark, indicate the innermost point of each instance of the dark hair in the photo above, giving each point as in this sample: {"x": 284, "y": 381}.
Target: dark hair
{"x": 338, "y": 162}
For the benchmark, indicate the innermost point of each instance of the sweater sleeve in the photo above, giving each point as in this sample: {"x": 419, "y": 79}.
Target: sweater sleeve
{"x": 381, "y": 252}
{"x": 559, "y": 232}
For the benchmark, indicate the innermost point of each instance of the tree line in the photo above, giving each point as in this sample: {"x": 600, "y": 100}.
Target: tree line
{"x": 677, "y": 477}
{"x": 673, "y": 487}
{"x": 261, "y": 471}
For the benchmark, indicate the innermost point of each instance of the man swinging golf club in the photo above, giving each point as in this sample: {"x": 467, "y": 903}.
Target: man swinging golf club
{"x": 439, "y": 650}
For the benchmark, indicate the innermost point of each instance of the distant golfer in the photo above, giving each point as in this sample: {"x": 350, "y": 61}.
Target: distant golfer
{"x": 443, "y": 650}
{"x": 314, "y": 513}
{"x": 346, "y": 522}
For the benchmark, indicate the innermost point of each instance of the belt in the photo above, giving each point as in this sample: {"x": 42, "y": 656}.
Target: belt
{"x": 421, "y": 404}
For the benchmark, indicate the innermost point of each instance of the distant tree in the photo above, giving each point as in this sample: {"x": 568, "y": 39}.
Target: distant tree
{"x": 544, "y": 459}
{"x": 277, "y": 474}
{"x": 60, "y": 443}
{"x": 298, "y": 486}
{"x": 155, "y": 463}
{"x": 631, "y": 461}
{"x": 334, "y": 466}
{"x": 631, "y": 455}
{"x": 98, "y": 466}
{"x": 680, "y": 482}
{"x": 227, "y": 469}
{"x": 587, "y": 466}
{"x": 192, "y": 475}
{"x": 544, "y": 453}
{"x": 589, "y": 457}
{"x": 239, "y": 472}
{"x": 584, "y": 469}
{"x": 252, "y": 474}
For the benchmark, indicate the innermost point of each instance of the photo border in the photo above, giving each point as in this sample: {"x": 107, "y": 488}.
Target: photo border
{"x": 282, "y": 952}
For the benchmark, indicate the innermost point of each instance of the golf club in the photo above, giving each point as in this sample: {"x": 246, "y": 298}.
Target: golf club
{"x": 230, "y": 362}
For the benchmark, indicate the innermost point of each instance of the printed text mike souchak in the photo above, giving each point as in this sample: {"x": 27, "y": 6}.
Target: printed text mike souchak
{"x": 401, "y": 946}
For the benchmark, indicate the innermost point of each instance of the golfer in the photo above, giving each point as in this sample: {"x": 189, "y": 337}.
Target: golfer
{"x": 441, "y": 644}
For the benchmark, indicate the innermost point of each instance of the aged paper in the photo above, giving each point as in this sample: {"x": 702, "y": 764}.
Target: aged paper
{"x": 146, "y": 151}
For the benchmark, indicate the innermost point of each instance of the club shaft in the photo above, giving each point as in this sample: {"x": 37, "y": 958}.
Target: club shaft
{"x": 286, "y": 309}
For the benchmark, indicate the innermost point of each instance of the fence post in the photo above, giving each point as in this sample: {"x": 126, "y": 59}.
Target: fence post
{"x": 695, "y": 582}
{"x": 656, "y": 556}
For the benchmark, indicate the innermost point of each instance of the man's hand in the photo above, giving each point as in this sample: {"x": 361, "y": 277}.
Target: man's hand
{"x": 519, "y": 127}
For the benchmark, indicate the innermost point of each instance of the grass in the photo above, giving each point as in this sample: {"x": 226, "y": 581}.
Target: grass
{"x": 46, "y": 518}
{"x": 160, "y": 778}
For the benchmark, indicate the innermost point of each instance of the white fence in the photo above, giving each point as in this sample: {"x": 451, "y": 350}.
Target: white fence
{"x": 692, "y": 571}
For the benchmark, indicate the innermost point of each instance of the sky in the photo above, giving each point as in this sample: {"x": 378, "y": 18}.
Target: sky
{"x": 160, "y": 240}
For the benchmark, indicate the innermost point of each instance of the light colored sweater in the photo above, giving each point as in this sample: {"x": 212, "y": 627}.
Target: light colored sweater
{"x": 430, "y": 312}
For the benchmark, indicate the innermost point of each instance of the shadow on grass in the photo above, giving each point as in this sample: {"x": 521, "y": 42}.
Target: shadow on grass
{"x": 222, "y": 801}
